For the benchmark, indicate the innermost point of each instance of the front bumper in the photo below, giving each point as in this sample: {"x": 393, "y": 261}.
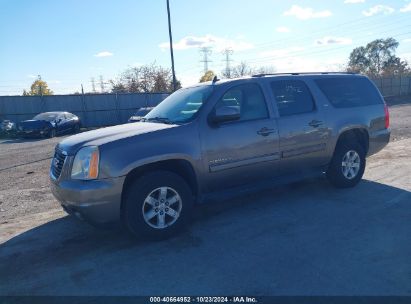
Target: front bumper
{"x": 32, "y": 133}
{"x": 378, "y": 140}
{"x": 97, "y": 201}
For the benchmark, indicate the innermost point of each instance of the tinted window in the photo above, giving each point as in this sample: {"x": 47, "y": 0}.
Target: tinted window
{"x": 248, "y": 98}
{"x": 349, "y": 92}
{"x": 292, "y": 97}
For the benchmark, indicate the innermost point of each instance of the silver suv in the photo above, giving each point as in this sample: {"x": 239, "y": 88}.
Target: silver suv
{"x": 220, "y": 139}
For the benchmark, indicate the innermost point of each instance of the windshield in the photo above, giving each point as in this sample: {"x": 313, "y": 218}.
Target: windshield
{"x": 46, "y": 116}
{"x": 181, "y": 106}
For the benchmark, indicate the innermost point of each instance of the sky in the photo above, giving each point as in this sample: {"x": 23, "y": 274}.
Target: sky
{"x": 70, "y": 42}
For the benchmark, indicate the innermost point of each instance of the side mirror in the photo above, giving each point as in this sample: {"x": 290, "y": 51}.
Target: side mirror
{"x": 58, "y": 120}
{"x": 225, "y": 114}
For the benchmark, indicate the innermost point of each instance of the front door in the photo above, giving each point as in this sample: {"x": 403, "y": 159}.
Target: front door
{"x": 245, "y": 150}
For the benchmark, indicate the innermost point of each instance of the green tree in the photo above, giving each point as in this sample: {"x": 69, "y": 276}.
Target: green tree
{"x": 39, "y": 88}
{"x": 208, "y": 76}
{"x": 377, "y": 58}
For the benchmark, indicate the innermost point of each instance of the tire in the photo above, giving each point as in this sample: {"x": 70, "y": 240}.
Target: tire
{"x": 76, "y": 129}
{"x": 347, "y": 166}
{"x": 144, "y": 196}
{"x": 52, "y": 133}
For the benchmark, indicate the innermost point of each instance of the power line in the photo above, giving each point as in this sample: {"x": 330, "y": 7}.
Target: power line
{"x": 102, "y": 84}
{"x": 304, "y": 52}
{"x": 206, "y": 51}
{"x": 93, "y": 85}
{"x": 227, "y": 53}
{"x": 340, "y": 27}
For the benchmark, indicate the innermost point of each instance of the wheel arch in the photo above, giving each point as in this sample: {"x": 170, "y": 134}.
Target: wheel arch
{"x": 358, "y": 134}
{"x": 181, "y": 167}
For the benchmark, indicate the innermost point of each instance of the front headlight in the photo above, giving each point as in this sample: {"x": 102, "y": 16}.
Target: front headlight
{"x": 85, "y": 164}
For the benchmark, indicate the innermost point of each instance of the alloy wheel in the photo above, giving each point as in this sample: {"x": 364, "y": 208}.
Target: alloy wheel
{"x": 162, "y": 207}
{"x": 350, "y": 165}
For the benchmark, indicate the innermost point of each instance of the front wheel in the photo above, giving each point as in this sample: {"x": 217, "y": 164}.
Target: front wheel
{"x": 157, "y": 205}
{"x": 347, "y": 166}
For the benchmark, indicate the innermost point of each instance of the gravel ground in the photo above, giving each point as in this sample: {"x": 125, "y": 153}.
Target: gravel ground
{"x": 24, "y": 189}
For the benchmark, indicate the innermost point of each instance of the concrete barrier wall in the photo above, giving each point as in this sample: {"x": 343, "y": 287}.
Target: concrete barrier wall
{"x": 94, "y": 110}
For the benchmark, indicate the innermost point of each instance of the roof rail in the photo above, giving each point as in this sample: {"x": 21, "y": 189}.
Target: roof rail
{"x": 304, "y": 73}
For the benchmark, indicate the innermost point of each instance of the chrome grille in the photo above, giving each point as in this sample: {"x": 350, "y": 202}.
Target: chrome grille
{"x": 57, "y": 163}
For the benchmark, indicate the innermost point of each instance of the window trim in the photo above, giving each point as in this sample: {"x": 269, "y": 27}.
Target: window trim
{"x": 315, "y": 108}
{"x": 268, "y": 117}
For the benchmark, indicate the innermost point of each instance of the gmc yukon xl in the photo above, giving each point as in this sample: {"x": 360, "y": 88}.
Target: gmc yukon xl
{"x": 220, "y": 139}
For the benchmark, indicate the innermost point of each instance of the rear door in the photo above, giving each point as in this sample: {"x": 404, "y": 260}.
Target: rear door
{"x": 245, "y": 150}
{"x": 302, "y": 130}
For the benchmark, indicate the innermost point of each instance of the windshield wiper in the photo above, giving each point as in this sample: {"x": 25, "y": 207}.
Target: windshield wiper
{"x": 159, "y": 119}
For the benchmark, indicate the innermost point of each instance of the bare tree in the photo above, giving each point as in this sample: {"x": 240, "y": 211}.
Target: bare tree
{"x": 149, "y": 78}
{"x": 241, "y": 70}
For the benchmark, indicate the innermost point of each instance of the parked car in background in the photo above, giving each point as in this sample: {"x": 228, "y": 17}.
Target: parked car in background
{"x": 217, "y": 140}
{"x": 140, "y": 114}
{"x": 50, "y": 124}
{"x": 8, "y": 127}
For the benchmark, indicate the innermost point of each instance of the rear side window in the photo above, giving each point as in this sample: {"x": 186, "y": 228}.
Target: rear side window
{"x": 292, "y": 97}
{"x": 349, "y": 92}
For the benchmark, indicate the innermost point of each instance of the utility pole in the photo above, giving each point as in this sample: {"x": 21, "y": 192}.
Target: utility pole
{"x": 227, "y": 53}
{"x": 171, "y": 47}
{"x": 93, "y": 85}
{"x": 82, "y": 89}
{"x": 102, "y": 84}
{"x": 206, "y": 51}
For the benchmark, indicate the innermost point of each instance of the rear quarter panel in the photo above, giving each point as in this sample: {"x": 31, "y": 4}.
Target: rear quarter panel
{"x": 370, "y": 118}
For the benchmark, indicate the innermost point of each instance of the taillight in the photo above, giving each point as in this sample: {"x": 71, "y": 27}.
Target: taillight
{"x": 387, "y": 117}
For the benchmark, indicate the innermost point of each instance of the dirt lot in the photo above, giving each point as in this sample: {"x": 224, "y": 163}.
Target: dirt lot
{"x": 304, "y": 239}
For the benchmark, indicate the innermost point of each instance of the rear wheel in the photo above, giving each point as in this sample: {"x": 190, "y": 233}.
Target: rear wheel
{"x": 347, "y": 166}
{"x": 157, "y": 205}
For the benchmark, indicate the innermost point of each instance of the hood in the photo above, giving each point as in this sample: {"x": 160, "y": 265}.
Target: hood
{"x": 105, "y": 135}
{"x": 34, "y": 124}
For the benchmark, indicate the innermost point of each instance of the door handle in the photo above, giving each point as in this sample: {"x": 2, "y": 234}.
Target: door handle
{"x": 265, "y": 131}
{"x": 315, "y": 123}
